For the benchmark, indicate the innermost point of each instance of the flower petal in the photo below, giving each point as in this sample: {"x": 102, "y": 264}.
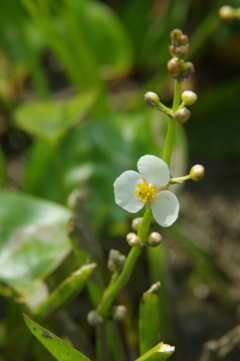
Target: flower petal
{"x": 165, "y": 208}
{"x": 124, "y": 187}
{"x": 154, "y": 170}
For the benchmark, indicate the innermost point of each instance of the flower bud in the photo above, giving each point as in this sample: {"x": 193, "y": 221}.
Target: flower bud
{"x": 175, "y": 35}
{"x": 226, "y": 12}
{"x": 182, "y": 115}
{"x": 189, "y": 97}
{"x": 121, "y": 261}
{"x": 154, "y": 239}
{"x": 182, "y": 51}
{"x": 188, "y": 69}
{"x": 152, "y": 99}
{"x": 184, "y": 40}
{"x": 116, "y": 260}
{"x": 136, "y": 223}
{"x": 197, "y": 172}
{"x": 93, "y": 318}
{"x": 133, "y": 240}
{"x": 119, "y": 312}
{"x": 175, "y": 67}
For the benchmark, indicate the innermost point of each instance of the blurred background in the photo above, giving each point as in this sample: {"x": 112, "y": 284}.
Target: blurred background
{"x": 72, "y": 116}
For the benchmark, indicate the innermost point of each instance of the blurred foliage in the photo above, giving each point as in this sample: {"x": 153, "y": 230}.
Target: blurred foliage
{"x": 72, "y": 78}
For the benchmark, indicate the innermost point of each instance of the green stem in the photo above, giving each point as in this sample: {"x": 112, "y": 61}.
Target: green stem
{"x": 166, "y": 110}
{"x": 172, "y": 125}
{"x": 113, "y": 289}
{"x": 180, "y": 179}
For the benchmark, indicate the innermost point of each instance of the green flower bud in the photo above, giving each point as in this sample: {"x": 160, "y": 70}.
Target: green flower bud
{"x": 136, "y": 223}
{"x": 152, "y": 99}
{"x": 154, "y": 239}
{"x": 182, "y": 115}
{"x": 189, "y": 97}
{"x": 94, "y": 319}
{"x": 226, "y": 12}
{"x": 133, "y": 240}
{"x": 175, "y": 67}
{"x": 197, "y": 172}
{"x": 119, "y": 313}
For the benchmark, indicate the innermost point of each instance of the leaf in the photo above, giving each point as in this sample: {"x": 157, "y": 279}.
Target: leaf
{"x": 108, "y": 33}
{"x": 33, "y": 240}
{"x": 160, "y": 352}
{"x": 59, "y": 349}
{"x": 149, "y": 318}
{"x": 49, "y": 121}
{"x": 68, "y": 288}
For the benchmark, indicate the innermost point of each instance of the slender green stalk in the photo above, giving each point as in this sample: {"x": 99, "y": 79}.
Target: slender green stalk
{"x": 113, "y": 289}
{"x": 172, "y": 125}
{"x": 180, "y": 179}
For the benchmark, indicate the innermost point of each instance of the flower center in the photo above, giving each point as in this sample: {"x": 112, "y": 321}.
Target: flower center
{"x": 145, "y": 191}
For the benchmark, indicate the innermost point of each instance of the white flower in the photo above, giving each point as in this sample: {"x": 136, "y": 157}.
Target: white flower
{"x": 132, "y": 190}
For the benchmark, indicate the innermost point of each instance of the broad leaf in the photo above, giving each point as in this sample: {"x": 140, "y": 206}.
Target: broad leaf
{"x": 59, "y": 349}
{"x": 33, "y": 240}
{"x": 49, "y": 121}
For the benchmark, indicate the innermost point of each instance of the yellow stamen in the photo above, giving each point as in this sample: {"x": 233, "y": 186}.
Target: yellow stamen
{"x": 145, "y": 191}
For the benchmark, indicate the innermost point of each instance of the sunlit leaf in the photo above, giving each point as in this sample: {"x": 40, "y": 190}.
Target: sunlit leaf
{"x": 33, "y": 240}
{"x": 49, "y": 121}
{"x": 59, "y": 349}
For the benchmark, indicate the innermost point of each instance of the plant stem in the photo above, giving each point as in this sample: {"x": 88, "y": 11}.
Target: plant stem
{"x": 180, "y": 179}
{"x": 172, "y": 125}
{"x": 113, "y": 289}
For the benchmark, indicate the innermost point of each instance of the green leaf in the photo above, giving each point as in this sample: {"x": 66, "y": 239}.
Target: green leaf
{"x": 33, "y": 240}
{"x": 160, "y": 352}
{"x": 59, "y": 349}
{"x": 149, "y": 318}
{"x": 108, "y": 33}
{"x": 68, "y": 288}
{"x": 49, "y": 121}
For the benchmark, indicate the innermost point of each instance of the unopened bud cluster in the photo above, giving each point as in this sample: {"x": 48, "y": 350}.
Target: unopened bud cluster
{"x": 177, "y": 67}
{"x": 116, "y": 261}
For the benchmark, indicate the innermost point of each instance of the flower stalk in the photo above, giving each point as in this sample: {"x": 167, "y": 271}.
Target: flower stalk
{"x": 150, "y": 186}
{"x": 114, "y": 288}
{"x": 167, "y": 153}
